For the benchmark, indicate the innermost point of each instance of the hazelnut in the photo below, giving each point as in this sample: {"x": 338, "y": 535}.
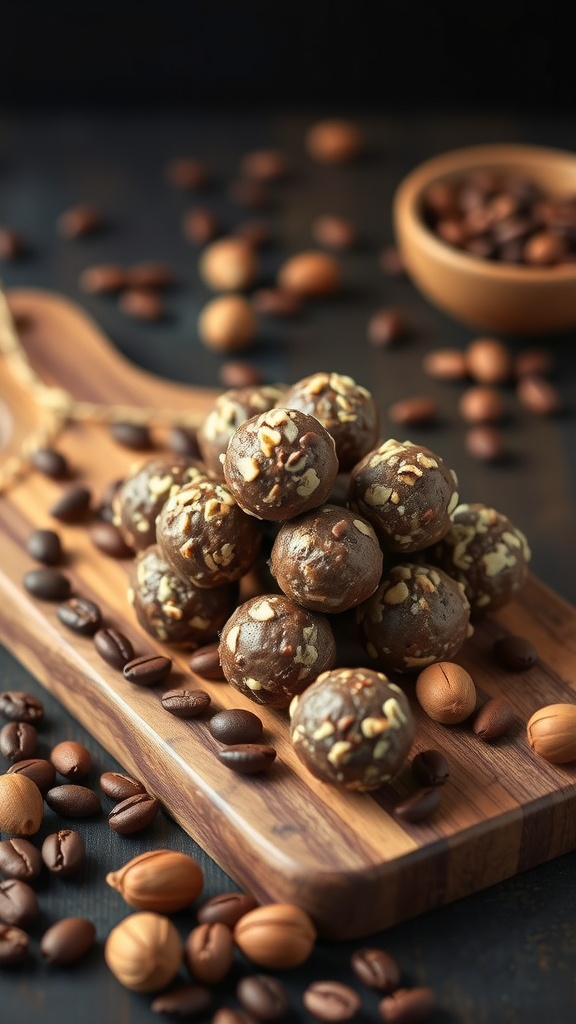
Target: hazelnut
{"x": 228, "y": 265}
{"x": 446, "y": 692}
{"x": 277, "y": 935}
{"x": 488, "y": 361}
{"x": 21, "y": 805}
{"x": 552, "y": 733}
{"x": 227, "y": 323}
{"x": 144, "y": 952}
{"x": 161, "y": 880}
{"x": 334, "y": 142}
{"x": 310, "y": 274}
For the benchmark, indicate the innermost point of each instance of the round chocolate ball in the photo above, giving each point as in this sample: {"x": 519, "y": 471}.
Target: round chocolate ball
{"x": 271, "y": 649}
{"x": 352, "y": 728}
{"x": 280, "y": 464}
{"x": 230, "y": 410}
{"x": 139, "y": 499}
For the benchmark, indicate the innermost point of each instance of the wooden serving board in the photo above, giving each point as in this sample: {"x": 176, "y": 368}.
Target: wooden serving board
{"x": 283, "y": 836}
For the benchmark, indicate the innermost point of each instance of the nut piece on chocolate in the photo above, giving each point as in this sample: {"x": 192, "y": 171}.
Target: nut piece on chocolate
{"x": 352, "y": 728}
{"x": 406, "y": 492}
{"x": 230, "y": 410}
{"x": 486, "y": 553}
{"x": 417, "y": 616}
{"x": 280, "y": 464}
{"x": 271, "y": 649}
{"x": 327, "y": 560}
{"x": 347, "y": 410}
{"x": 140, "y": 498}
{"x": 205, "y": 536}
{"x": 174, "y": 610}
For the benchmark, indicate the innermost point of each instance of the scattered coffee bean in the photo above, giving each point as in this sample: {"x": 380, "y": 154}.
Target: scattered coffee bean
{"x": 18, "y": 903}
{"x": 185, "y": 703}
{"x": 199, "y": 226}
{"x": 247, "y": 758}
{"x": 71, "y": 759}
{"x": 226, "y": 908}
{"x": 334, "y": 233}
{"x": 445, "y": 364}
{"x": 276, "y": 302}
{"x": 186, "y": 1001}
{"x": 236, "y": 374}
{"x": 482, "y": 404}
{"x": 119, "y": 786}
{"x": 430, "y": 768}
{"x": 44, "y": 546}
{"x": 391, "y": 262}
{"x": 19, "y": 859}
{"x": 255, "y": 232}
{"x": 51, "y": 463}
{"x": 17, "y": 706}
{"x": 47, "y": 584}
{"x": 103, "y": 279}
{"x": 133, "y": 814}
{"x": 386, "y": 327}
{"x": 73, "y": 801}
{"x": 148, "y": 669}
{"x": 311, "y": 275}
{"x": 253, "y": 195}
{"x": 64, "y": 852}
{"x": 209, "y": 952}
{"x": 79, "y": 222}
{"x": 142, "y": 304}
{"x": 419, "y": 805}
{"x": 14, "y": 944}
{"x": 150, "y": 275}
{"x": 515, "y": 653}
{"x": 494, "y": 718}
{"x": 187, "y": 174}
{"x": 489, "y": 361}
{"x": 544, "y": 249}
{"x": 417, "y": 411}
{"x": 236, "y": 725}
{"x": 206, "y": 662}
{"x": 40, "y": 771}
{"x": 264, "y": 165}
{"x": 67, "y": 941}
{"x": 183, "y": 441}
{"x": 533, "y": 361}
{"x": 538, "y": 395}
{"x": 11, "y": 244}
{"x": 80, "y": 615}
{"x": 18, "y": 741}
{"x": 264, "y": 996}
{"x": 407, "y": 1006}
{"x": 485, "y": 443}
{"x": 334, "y": 142}
{"x": 107, "y": 538}
{"x": 228, "y": 1015}
{"x": 132, "y": 435}
{"x": 376, "y": 969}
{"x": 73, "y": 505}
{"x": 331, "y": 1000}
{"x": 113, "y": 647}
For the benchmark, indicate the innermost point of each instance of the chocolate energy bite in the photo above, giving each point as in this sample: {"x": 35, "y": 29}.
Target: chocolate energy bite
{"x": 406, "y": 492}
{"x": 230, "y": 410}
{"x": 352, "y": 728}
{"x": 418, "y": 615}
{"x": 141, "y": 496}
{"x": 205, "y": 536}
{"x": 271, "y": 649}
{"x": 347, "y": 410}
{"x": 486, "y": 553}
{"x": 280, "y": 464}
{"x": 327, "y": 560}
{"x": 174, "y": 610}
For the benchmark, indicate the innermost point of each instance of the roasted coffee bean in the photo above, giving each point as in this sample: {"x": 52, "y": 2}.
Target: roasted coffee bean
{"x": 515, "y": 653}
{"x": 150, "y": 275}
{"x": 376, "y": 969}
{"x": 407, "y": 1006}
{"x": 187, "y": 173}
{"x": 331, "y": 1000}
{"x": 64, "y": 852}
{"x": 73, "y": 505}
{"x": 482, "y": 404}
{"x": 485, "y": 443}
{"x": 253, "y": 195}
{"x": 236, "y": 725}
{"x": 185, "y": 703}
{"x": 40, "y": 771}
{"x": 18, "y": 741}
{"x": 336, "y": 233}
{"x": 186, "y": 1001}
{"x": 493, "y": 719}
{"x": 544, "y": 249}
{"x": 45, "y": 547}
{"x": 107, "y": 538}
{"x": 276, "y": 302}
{"x": 79, "y": 222}
{"x": 19, "y": 859}
{"x": 334, "y": 142}
{"x": 419, "y": 805}
{"x": 148, "y": 669}
{"x": 182, "y": 440}
{"x": 142, "y": 304}
{"x": 430, "y": 768}
{"x": 236, "y": 374}
{"x": 533, "y": 361}
{"x": 71, "y": 759}
{"x": 73, "y": 801}
{"x": 227, "y": 908}
{"x": 13, "y": 944}
{"x": 264, "y": 996}
{"x": 255, "y": 232}
{"x": 489, "y": 361}
{"x": 209, "y": 952}
{"x": 247, "y": 758}
{"x": 445, "y": 364}
{"x": 113, "y": 647}
{"x": 67, "y": 940}
{"x": 264, "y": 165}
{"x": 199, "y": 226}
{"x": 229, "y": 1015}
{"x": 51, "y": 463}
{"x": 47, "y": 584}
{"x": 206, "y": 662}
{"x": 133, "y": 814}
{"x": 80, "y": 615}
{"x": 11, "y": 244}
{"x": 538, "y": 395}
{"x": 386, "y": 327}
{"x": 17, "y": 706}
{"x": 417, "y": 411}
{"x": 18, "y": 903}
{"x": 119, "y": 786}
{"x": 103, "y": 279}
{"x": 132, "y": 435}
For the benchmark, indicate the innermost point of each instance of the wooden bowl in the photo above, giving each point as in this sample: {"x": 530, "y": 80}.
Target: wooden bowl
{"x": 479, "y": 292}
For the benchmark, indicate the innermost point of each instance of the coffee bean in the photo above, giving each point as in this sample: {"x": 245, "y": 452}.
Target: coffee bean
{"x": 148, "y": 669}
{"x": 533, "y": 361}
{"x": 51, "y": 463}
{"x": 113, "y": 647}
{"x": 64, "y": 852}
{"x": 544, "y": 249}
{"x": 79, "y": 222}
{"x": 80, "y": 615}
{"x": 133, "y": 814}
{"x": 209, "y": 952}
{"x": 255, "y": 232}
{"x": 276, "y": 302}
{"x": 253, "y": 195}
{"x": 334, "y": 142}
{"x": 132, "y": 435}
{"x": 17, "y": 706}
{"x": 187, "y": 173}
{"x": 494, "y": 718}
{"x": 386, "y": 327}
{"x": 150, "y": 275}
{"x": 103, "y": 279}
{"x": 226, "y": 908}
{"x": 430, "y": 768}
{"x": 73, "y": 801}
{"x": 71, "y": 759}
{"x": 182, "y": 440}
{"x": 481, "y": 404}
{"x": 45, "y": 547}
{"x": 485, "y": 443}
{"x": 119, "y": 786}
{"x": 18, "y": 741}
{"x": 73, "y": 505}
{"x": 236, "y": 374}
{"x": 331, "y": 1000}
{"x": 336, "y": 233}
{"x": 445, "y": 364}
{"x": 236, "y": 725}
{"x": 186, "y": 1001}
{"x": 264, "y": 996}
{"x": 376, "y": 969}
{"x": 264, "y": 165}
{"x": 391, "y": 262}
{"x": 419, "y": 805}
{"x": 538, "y": 395}
{"x": 19, "y": 859}
{"x": 407, "y": 1006}
{"x": 247, "y": 758}
{"x": 13, "y": 945}
{"x": 142, "y": 304}
{"x": 206, "y": 662}
{"x": 47, "y": 584}
{"x": 11, "y": 244}
{"x": 67, "y": 940}
{"x": 40, "y": 771}
{"x": 185, "y": 703}
{"x": 107, "y": 538}
{"x": 417, "y": 411}
{"x": 199, "y": 226}
{"x": 515, "y": 653}
{"x": 18, "y": 903}
{"x": 227, "y": 1015}
{"x": 488, "y": 361}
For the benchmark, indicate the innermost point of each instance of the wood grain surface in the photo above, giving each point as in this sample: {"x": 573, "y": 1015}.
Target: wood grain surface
{"x": 284, "y": 836}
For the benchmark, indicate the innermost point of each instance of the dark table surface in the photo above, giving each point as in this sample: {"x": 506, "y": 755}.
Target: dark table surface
{"x": 509, "y": 953}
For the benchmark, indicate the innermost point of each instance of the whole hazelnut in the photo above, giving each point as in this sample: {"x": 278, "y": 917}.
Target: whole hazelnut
{"x": 21, "y": 805}
{"x": 277, "y": 935}
{"x": 488, "y": 361}
{"x": 310, "y": 274}
{"x": 144, "y": 952}
{"x": 446, "y": 692}
{"x": 552, "y": 733}
{"x": 334, "y": 142}
{"x": 228, "y": 265}
{"x": 161, "y": 880}
{"x": 227, "y": 324}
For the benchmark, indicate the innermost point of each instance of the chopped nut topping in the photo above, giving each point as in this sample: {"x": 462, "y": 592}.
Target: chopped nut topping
{"x": 248, "y": 469}
{"x": 323, "y": 731}
{"x": 396, "y": 594}
{"x": 252, "y": 684}
{"x": 308, "y": 483}
{"x": 371, "y": 727}
{"x": 262, "y": 612}
{"x": 363, "y": 527}
{"x": 377, "y": 494}
{"x": 339, "y": 753}
{"x": 232, "y": 639}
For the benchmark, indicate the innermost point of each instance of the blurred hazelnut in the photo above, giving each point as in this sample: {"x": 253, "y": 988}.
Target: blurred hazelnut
{"x": 310, "y": 274}
{"x": 481, "y": 404}
{"x": 227, "y": 324}
{"x": 228, "y": 265}
{"x": 334, "y": 142}
{"x": 334, "y": 232}
{"x": 488, "y": 361}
